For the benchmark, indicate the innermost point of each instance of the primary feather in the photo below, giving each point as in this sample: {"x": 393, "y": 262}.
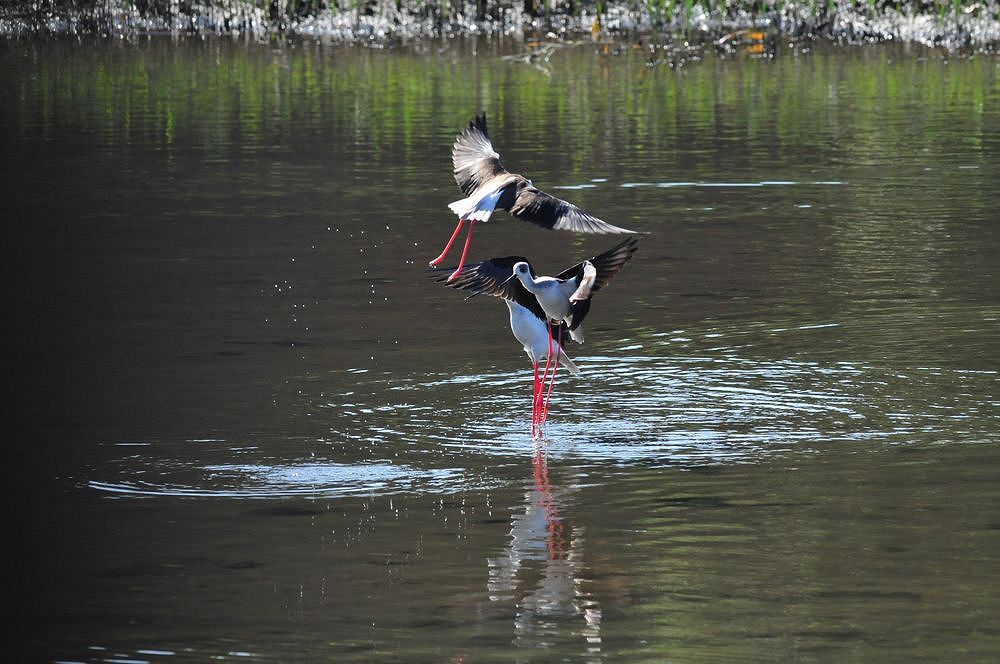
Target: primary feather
{"x": 480, "y": 175}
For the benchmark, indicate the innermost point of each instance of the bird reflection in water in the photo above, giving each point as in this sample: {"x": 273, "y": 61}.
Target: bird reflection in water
{"x": 541, "y": 570}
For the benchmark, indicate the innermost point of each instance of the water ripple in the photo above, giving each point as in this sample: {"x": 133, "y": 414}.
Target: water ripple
{"x": 633, "y": 408}
{"x": 278, "y": 480}
{"x": 446, "y": 432}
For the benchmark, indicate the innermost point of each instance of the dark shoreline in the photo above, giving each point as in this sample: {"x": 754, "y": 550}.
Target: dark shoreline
{"x": 960, "y": 26}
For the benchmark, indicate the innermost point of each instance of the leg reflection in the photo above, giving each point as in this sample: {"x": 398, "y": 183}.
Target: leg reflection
{"x": 541, "y": 570}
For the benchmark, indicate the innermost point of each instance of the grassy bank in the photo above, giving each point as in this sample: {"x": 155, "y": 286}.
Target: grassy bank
{"x": 954, "y": 24}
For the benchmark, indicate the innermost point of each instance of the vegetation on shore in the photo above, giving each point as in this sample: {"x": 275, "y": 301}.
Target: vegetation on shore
{"x": 953, "y": 24}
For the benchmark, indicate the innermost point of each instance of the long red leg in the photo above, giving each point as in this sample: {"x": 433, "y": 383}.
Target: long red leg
{"x": 552, "y": 380}
{"x": 536, "y": 409}
{"x": 545, "y": 376}
{"x": 461, "y": 261}
{"x": 534, "y": 400}
{"x": 447, "y": 247}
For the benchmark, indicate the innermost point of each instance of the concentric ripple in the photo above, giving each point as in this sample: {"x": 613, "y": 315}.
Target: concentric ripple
{"x": 635, "y": 408}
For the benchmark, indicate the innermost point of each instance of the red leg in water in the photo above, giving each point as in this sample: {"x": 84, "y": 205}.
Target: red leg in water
{"x": 552, "y": 380}
{"x": 534, "y": 400}
{"x": 461, "y": 261}
{"x": 540, "y": 417}
{"x": 447, "y": 247}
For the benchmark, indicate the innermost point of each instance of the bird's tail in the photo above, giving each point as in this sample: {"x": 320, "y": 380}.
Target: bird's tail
{"x": 477, "y": 208}
{"x": 568, "y": 363}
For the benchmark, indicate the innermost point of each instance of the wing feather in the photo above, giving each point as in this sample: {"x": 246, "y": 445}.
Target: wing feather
{"x": 488, "y": 277}
{"x": 534, "y": 205}
{"x": 607, "y": 264}
{"x": 473, "y": 157}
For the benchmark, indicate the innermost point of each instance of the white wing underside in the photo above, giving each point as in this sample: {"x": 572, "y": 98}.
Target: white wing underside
{"x": 582, "y": 291}
{"x": 532, "y": 334}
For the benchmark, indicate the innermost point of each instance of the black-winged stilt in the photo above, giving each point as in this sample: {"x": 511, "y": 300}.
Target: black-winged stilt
{"x": 487, "y": 186}
{"x": 529, "y": 328}
{"x": 563, "y": 298}
{"x": 539, "y": 304}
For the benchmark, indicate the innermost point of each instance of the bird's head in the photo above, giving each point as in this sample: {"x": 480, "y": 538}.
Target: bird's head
{"x": 521, "y": 271}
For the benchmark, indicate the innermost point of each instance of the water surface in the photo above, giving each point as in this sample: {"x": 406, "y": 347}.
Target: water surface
{"x": 245, "y": 424}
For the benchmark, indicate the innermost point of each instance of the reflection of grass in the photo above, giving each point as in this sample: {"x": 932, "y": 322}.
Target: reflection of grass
{"x": 158, "y": 93}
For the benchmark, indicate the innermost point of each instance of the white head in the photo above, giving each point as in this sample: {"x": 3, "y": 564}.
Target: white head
{"x": 522, "y": 271}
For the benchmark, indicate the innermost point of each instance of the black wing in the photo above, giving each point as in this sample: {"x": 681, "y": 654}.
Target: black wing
{"x": 488, "y": 277}
{"x": 534, "y": 205}
{"x": 578, "y": 311}
{"x": 607, "y": 264}
{"x": 473, "y": 157}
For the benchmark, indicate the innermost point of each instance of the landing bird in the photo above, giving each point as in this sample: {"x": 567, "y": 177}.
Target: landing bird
{"x": 530, "y": 328}
{"x": 564, "y": 298}
{"x": 487, "y": 186}
{"x": 560, "y": 302}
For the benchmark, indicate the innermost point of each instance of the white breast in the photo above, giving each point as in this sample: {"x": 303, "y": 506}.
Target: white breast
{"x": 553, "y": 296}
{"x": 528, "y": 330}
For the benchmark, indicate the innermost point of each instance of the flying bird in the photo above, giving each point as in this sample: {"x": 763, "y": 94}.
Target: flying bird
{"x": 487, "y": 186}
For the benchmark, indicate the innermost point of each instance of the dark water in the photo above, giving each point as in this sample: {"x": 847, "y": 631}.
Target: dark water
{"x": 242, "y": 424}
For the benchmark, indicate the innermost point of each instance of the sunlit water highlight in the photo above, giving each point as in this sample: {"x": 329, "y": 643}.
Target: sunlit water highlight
{"x": 625, "y": 409}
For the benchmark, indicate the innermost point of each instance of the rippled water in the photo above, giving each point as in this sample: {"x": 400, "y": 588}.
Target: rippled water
{"x": 246, "y": 424}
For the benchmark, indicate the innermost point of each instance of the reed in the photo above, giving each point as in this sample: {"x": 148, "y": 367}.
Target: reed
{"x": 960, "y": 21}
